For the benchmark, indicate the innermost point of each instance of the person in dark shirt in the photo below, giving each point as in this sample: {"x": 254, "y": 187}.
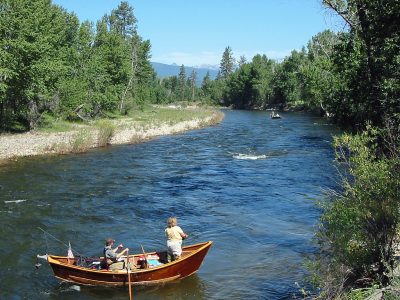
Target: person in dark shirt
{"x": 111, "y": 256}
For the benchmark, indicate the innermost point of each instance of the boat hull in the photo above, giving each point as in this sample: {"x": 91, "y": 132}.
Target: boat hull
{"x": 190, "y": 262}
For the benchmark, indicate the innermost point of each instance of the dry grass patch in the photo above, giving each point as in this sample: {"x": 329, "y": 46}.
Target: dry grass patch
{"x": 81, "y": 141}
{"x": 106, "y": 130}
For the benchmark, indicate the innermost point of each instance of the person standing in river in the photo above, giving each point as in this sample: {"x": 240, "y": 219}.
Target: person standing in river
{"x": 174, "y": 235}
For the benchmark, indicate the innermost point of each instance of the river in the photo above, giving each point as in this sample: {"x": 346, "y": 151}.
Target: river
{"x": 248, "y": 184}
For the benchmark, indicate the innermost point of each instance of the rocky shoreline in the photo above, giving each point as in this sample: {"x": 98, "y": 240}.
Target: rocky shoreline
{"x": 13, "y": 146}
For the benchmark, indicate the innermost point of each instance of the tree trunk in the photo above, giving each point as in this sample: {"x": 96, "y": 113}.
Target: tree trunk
{"x": 134, "y": 63}
{"x": 32, "y": 114}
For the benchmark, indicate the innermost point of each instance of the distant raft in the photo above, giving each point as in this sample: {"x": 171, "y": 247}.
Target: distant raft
{"x": 150, "y": 269}
{"x": 275, "y": 115}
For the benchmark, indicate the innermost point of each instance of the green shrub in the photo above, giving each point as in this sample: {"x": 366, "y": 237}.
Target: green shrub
{"x": 359, "y": 226}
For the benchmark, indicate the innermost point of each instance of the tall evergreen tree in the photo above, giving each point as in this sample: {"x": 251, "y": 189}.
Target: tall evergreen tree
{"x": 193, "y": 78}
{"x": 242, "y": 61}
{"x": 182, "y": 82}
{"x": 206, "y": 85}
{"x": 227, "y": 63}
{"x": 122, "y": 20}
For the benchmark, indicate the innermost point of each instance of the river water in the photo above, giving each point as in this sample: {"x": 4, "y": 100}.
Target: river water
{"x": 248, "y": 184}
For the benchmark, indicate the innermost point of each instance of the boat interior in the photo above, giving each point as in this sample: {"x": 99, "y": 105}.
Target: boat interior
{"x": 137, "y": 261}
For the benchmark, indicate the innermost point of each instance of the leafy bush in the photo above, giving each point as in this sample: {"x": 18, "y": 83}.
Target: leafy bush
{"x": 359, "y": 226}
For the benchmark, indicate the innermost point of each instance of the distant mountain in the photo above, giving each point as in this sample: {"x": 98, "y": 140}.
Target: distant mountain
{"x": 164, "y": 70}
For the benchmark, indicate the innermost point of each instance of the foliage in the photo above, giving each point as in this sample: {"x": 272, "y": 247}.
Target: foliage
{"x": 182, "y": 82}
{"x": 359, "y": 226}
{"x": 50, "y": 64}
{"x": 227, "y": 63}
{"x": 289, "y": 79}
{"x": 250, "y": 86}
{"x": 33, "y": 41}
{"x": 318, "y": 75}
{"x": 50, "y": 124}
{"x": 367, "y": 60}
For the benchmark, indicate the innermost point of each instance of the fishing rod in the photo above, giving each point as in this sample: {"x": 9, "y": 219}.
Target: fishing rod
{"x": 56, "y": 239}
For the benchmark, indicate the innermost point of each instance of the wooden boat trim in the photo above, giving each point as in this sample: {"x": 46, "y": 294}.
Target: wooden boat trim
{"x": 105, "y": 283}
{"x": 151, "y": 282}
{"x": 52, "y": 259}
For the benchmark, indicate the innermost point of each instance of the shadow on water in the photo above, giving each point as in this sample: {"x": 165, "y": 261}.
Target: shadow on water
{"x": 189, "y": 288}
{"x": 248, "y": 184}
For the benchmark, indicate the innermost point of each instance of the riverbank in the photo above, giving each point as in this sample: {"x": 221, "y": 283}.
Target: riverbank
{"x": 80, "y": 137}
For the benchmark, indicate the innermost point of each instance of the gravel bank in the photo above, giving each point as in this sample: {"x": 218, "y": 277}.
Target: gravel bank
{"x": 13, "y": 146}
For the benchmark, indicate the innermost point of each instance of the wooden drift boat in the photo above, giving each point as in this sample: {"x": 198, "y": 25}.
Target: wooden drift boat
{"x": 76, "y": 271}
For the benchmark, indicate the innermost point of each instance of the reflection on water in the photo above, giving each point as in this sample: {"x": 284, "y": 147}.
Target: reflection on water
{"x": 189, "y": 288}
{"x": 247, "y": 184}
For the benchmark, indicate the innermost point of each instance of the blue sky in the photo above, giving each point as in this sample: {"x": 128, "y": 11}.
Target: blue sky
{"x": 196, "y": 32}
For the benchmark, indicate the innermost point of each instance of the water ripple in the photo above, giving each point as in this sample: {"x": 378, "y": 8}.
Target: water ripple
{"x": 248, "y": 184}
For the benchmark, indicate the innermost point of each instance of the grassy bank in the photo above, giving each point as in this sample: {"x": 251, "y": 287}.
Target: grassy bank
{"x": 61, "y": 137}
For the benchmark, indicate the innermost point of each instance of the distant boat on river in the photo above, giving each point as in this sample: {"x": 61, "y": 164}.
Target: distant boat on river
{"x": 156, "y": 270}
{"x": 275, "y": 115}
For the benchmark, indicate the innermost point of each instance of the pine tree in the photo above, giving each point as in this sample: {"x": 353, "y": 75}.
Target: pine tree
{"x": 122, "y": 20}
{"x": 227, "y": 63}
{"x": 242, "y": 61}
{"x": 206, "y": 85}
{"x": 182, "y": 82}
{"x": 193, "y": 78}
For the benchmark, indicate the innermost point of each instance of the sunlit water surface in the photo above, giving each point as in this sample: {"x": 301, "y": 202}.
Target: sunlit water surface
{"x": 248, "y": 184}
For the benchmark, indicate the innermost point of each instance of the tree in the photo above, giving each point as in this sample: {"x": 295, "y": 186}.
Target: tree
{"x": 35, "y": 37}
{"x": 289, "y": 79}
{"x": 319, "y": 76}
{"x": 193, "y": 78}
{"x": 239, "y": 88}
{"x": 53, "y": 66}
{"x": 262, "y": 72}
{"x": 372, "y": 74}
{"x": 182, "y": 82}
{"x": 359, "y": 225}
{"x": 206, "y": 85}
{"x": 135, "y": 44}
{"x": 122, "y": 20}
{"x": 242, "y": 61}
{"x": 227, "y": 63}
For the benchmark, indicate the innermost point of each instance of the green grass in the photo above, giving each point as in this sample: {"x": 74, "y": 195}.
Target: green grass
{"x": 58, "y": 126}
{"x": 159, "y": 115}
{"x": 145, "y": 117}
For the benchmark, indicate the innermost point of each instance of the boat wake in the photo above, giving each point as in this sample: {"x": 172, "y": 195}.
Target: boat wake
{"x": 74, "y": 287}
{"x": 249, "y": 156}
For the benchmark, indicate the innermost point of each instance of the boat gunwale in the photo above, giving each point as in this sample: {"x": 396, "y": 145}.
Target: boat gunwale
{"x": 52, "y": 259}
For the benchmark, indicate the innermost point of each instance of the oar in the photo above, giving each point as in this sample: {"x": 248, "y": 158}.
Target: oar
{"x": 128, "y": 268}
{"x": 145, "y": 256}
